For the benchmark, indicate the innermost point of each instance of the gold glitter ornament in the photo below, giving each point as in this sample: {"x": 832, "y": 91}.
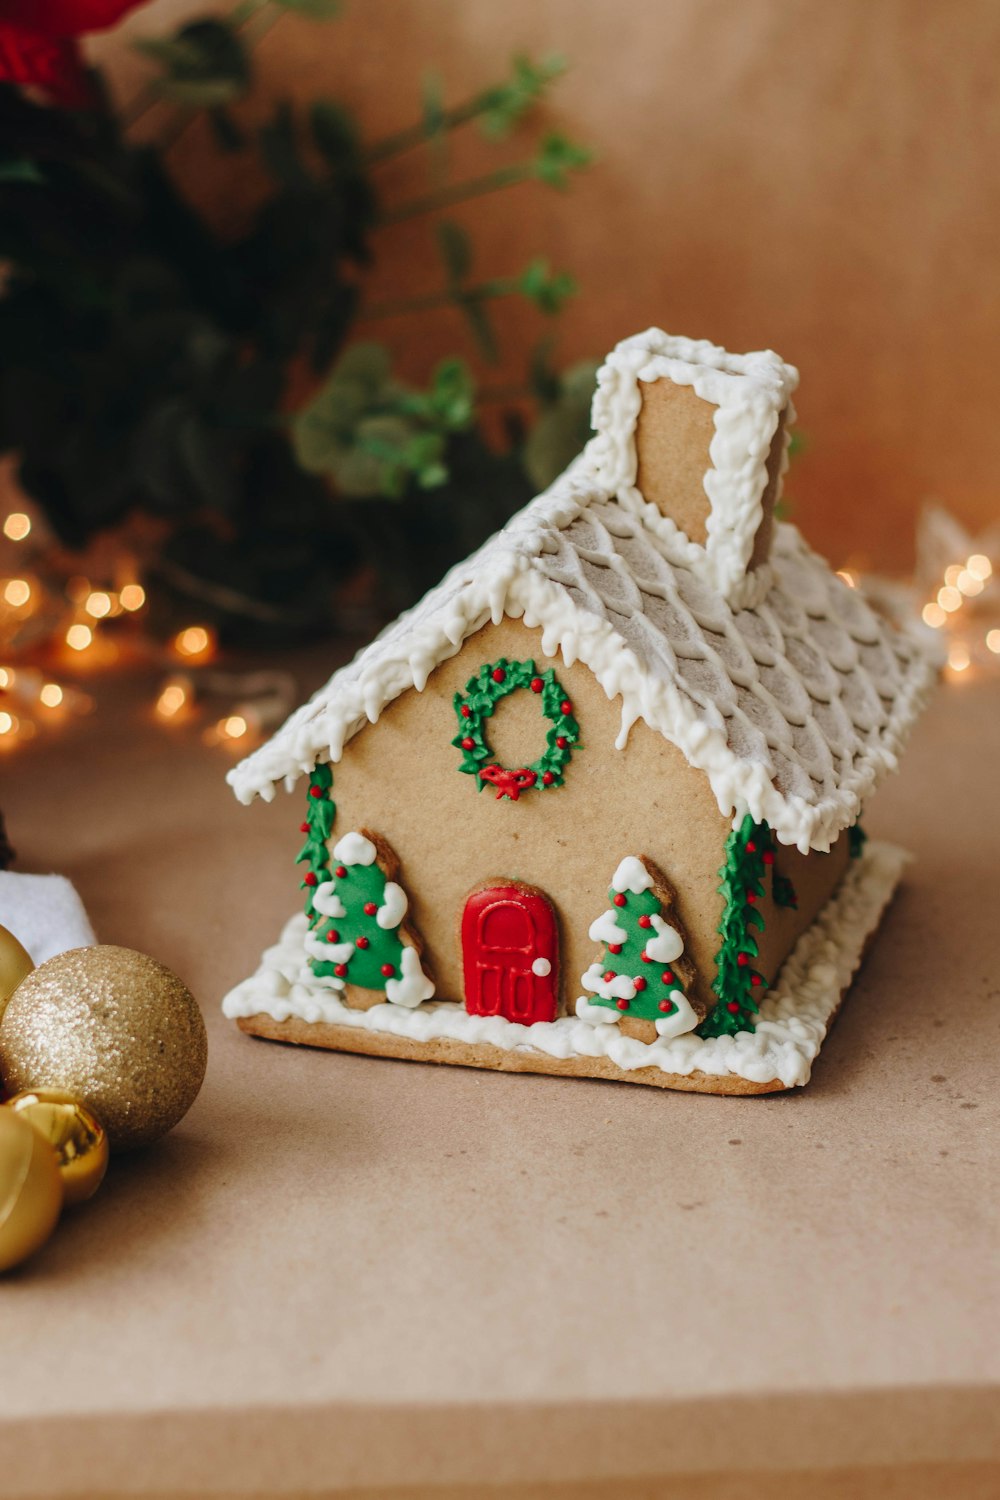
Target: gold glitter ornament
{"x": 15, "y": 965}
{"x": 31, "y": 1192}
{"x": 76, "y": 1136}
{"x": 112, "y": 1028}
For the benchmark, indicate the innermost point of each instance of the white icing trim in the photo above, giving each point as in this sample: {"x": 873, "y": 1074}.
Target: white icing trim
{"x": 413, "y": 985}
{"x": 354, "y": 849}
{"x": 604, "y": 929}
{"x": 328, "y": 953}
{"x": 749, "y": 393}
{"x": 681, "y": 1020}
{"x": 618, "y": 987}
{"x": 667, "y": 945}
{"x": 631, "y": 875}
{"x": 392, "y": 912}
{"x": 793, "y": 1020}
{"x": 326, "y": 900}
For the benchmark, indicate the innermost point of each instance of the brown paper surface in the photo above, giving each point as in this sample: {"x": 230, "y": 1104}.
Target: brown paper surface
{"x": 343, "y": 1275}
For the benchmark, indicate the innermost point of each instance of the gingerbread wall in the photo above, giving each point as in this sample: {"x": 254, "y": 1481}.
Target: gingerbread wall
{"x": 400, "y": 778}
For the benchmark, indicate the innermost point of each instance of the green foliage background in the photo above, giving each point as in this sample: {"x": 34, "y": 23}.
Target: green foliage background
{"x": 145, "y": 357}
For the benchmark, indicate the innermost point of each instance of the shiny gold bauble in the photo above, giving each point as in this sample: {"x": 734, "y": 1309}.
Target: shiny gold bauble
{"x": 112, "y": 1028}
{"x": 76, "y": 1136}
{"x": 31, "y": 1191}
{"x": 15, "y": 965}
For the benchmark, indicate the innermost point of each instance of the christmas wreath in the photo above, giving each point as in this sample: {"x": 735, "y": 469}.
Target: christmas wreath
{"x": 474, "y": 708}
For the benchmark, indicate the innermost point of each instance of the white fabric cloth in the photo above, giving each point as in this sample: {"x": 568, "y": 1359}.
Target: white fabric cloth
{"x": 44, "y": 913}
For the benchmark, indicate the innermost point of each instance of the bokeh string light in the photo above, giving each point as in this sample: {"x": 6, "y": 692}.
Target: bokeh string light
{"x": 961, "y": 609}
{"x": 57, "y": 625}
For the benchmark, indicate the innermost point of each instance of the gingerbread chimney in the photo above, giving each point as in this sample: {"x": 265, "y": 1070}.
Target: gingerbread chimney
{"x": 695, "y": 440}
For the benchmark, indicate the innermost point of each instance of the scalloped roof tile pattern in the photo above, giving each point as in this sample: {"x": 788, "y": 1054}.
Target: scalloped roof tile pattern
{"x": 794, "y": 709}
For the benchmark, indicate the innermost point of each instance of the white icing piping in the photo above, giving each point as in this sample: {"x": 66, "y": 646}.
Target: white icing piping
{"x": 749, "y": 393}
{"x": 517, "y": 588}
{"x": 793, "y": 1020}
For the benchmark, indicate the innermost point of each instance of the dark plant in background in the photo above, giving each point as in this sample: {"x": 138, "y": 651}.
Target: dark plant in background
{"x": 146, "y": 359}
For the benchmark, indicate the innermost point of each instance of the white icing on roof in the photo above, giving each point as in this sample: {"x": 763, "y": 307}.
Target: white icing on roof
{"x": 794, "y": 709}
{"x": 749, "y": 393}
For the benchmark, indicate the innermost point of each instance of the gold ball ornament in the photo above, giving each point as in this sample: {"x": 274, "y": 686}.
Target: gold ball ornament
{"x": 114, "y": 1029}
{"x": 15, "y": 965}
{"x": 76, "y": 1136}
{"x": 31, "y": 1191}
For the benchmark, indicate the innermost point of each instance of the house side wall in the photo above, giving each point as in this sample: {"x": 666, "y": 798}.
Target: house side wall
{"x": 400, "y": 778}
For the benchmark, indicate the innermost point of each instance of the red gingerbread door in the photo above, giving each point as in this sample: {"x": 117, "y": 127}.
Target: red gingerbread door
{"x": 510, "y": 951}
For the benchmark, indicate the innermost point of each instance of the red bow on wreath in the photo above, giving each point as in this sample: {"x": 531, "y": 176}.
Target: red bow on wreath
{"x": 509, "y": 783}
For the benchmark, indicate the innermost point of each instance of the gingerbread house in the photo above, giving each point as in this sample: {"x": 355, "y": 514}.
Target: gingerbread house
{"x": 591, "y": 807}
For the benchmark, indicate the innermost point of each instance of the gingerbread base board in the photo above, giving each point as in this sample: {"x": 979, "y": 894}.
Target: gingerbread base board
{"x": 280, "y": 1003}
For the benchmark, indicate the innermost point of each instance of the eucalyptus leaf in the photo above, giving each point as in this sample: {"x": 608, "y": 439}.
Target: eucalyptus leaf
{"x": 316, "y": 10}
{"x": 204, "y": 64}
{"x": 456, "y": 250}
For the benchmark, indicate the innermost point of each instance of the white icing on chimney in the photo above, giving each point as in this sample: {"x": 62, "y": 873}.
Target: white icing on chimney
{"x": 749, "y": 392}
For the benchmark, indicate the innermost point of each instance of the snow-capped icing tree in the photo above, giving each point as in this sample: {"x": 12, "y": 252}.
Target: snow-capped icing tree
{"x": 360, "y": 937}
{"x": 642, "y": 972}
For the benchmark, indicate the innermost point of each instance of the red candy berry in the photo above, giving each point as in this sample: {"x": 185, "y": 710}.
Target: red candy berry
{"x": 466, "y": 711}
{"x": 565, "y": 706}
{"x": 369, "y": 908}
{"x": 537, "y": 684}
{"x": 622, "y": 1004}
{"x": 316, "y": 791}
{"x": 666, "y": 1006}
{"x": 498, "y": 674}
{"x": 742, "y": 959}
{"x": 667, "y": 977}
{"x": 332, "y": 936}
{"x": 769, "y": 858}
{"x": 610, "y": 974}
{"x": 548, "y": 777}
{"x": 340, "y": 871}
{"x": 733, "y": 1007}
{"x": 755, "y": 979}
{"x": 639, "y": 983}
{"x": 361, "y": 942}
{"x": 562, "y": 741}
{"x": 468, "y": 744}
{"x": 614, "y": 947}
{"x": 619, "y": 899}
{"x": 645, "y": 921}
{"x": 645, "y": 957}
{"x": 751, "y": 847}
{"x": 752, "y": 898}
{"x": 303, "y": 827}
{"x": 340, "y": 970}
{"x": 388, "y": 970}
{"x": 309, "y": 879}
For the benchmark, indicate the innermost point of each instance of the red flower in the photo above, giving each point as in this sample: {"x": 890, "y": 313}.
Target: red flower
{"x": 38, "y": 43}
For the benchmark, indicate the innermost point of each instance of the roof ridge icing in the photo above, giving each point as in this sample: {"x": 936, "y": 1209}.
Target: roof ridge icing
{"x": 794, "y": 709}
{"x": 749, "y": 394}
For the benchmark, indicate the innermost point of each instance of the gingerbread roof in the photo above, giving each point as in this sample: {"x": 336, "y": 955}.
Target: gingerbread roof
{"x": 794, "y": 709}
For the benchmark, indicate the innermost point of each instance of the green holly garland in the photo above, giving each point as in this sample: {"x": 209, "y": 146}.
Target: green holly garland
{"x": 474, "y": 708}
{"x": 320, "y": 813}
{"x": 856, "y": 840}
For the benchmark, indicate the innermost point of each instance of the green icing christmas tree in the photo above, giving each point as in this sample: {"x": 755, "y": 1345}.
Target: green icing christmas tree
{"x": 637, "y": 973}
{"x": 356, "y": 937}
